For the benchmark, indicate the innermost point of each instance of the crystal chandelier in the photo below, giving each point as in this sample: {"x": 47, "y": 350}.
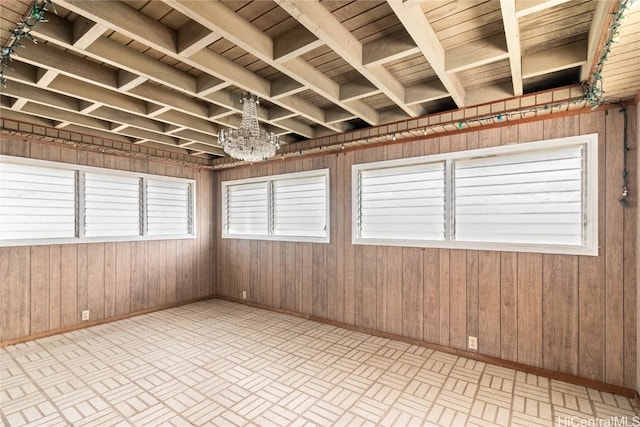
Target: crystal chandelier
{"x": 249, "y": 142}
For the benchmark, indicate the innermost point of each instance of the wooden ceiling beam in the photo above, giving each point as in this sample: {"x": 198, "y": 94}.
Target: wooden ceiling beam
{"x": 206, "y": 84}
{"x": 45, "y": 77}
{"x": 489, "y": 93}
{"x": 222, "y": 20}
{"x": 18, "y": 103}
{"x": 41, "y": 110}
{"x": 70, "y": 90}
{"x": 512, "y": 33}
{"x": 426, "y": 92}
{"x": 476, "y": 53}
{"x": 193, "y": 37}
{"x": 85, "y": 32}
{"x": 598, "y": 27}
{"x": 127, "y": 80}
{"x": 337, "y": 115}
{"x": 357, "y": 89}
{"x": 86, "y": 107}
{"x": 423, "y": 34}
{"x": 392, "y": 47}
{"x": 317, "y": 19}
{"x": 134, "y": 24}
{"x": 555, "y": 59}
{"x": 294, "y": 43}
{"x": 285, "y": 86}
{"x": 527, "y": 7}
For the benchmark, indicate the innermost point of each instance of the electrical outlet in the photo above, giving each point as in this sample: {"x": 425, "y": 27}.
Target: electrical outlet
{"x": 244, "y": 294}
{"x": 473, "y": 343}
{"x": 85, "y": 315}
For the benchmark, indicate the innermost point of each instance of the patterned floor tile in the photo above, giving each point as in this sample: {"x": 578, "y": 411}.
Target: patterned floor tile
{"x": 216, "y": 363}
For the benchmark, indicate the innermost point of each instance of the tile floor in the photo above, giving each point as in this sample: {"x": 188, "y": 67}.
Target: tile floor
{"x": 220, "y": 363}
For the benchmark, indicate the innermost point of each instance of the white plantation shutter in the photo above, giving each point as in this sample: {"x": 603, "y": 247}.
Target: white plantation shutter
{"x": 36, "y": 202}
{"x": 534, "y": 197}
{"x": 111, "y": 205}
{"x": 286, "y": 207}
{"x": 402, "y": 202}
{"x": 300, "y": 206}
{"x": 169, "y": 210}
{"x": 247, "y": 208}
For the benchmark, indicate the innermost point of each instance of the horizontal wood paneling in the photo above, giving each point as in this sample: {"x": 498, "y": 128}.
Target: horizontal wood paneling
{"x": 570, "y": 314}
{"x": 45, "y": 288}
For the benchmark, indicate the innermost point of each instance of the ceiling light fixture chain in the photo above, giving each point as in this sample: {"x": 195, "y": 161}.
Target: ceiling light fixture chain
{"x": 249, "y": 142}
{"x": 23, "y": 31}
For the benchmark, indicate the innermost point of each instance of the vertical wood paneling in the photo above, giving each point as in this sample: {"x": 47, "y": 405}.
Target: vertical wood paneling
{"x": 15, "y": 292}
{"x": 96, "y": 281}
{"x": 333, "y": 285}
{"x": 458, "y": 299}
{"x": 530, "y": 309}
{"x": 109, "y": 280}
{"x": 394, "y": 274}
{"x": 560, "y": 323}
{"x": 591, "y": 298}
{"x": 614, "y": 241}
{"x": 489, "y": 303}
{"x": 123, "y": 277}
{"x": 412, "y": 293}
{"x": 431, "y": 293}
{"x": 630, "y": 260}
{"x": 54, "y": 287}
{"x": 69, "y": 314}
{"x": 83, "y": 280}
{"x": 508, "y": 306}
{"x": 369, "y": 286}
{"x": 444, "y": 280}
{"x": 381, "y": 287}
{"x": 39, "y": 289}
{"x": 338, "y": 191}
{"x": 349, "y": 256}
{"x": 472, "y": 294}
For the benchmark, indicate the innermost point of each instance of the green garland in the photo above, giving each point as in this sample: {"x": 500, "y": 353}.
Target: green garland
{"x": 23, "y": 31}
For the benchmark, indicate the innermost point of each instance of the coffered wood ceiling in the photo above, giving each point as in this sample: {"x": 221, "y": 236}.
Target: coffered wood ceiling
{"x": 169, "y": 73}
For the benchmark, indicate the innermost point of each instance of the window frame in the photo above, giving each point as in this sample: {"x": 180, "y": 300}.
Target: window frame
{"x": 79, "y": 213}
{"x": 590, "y": 199}
{"x": 269, "y": 179}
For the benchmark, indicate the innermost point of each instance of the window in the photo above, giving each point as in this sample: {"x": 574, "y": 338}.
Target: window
{"x": 403, "y": 202}
{"x": 169, "y": 207}
{"x": 36, "y": 202}
{"x": 534, "y": 197}
{"x": 111, "y": 205}
{"x": 293, "y": 207}
{"x": 45, "y": 202}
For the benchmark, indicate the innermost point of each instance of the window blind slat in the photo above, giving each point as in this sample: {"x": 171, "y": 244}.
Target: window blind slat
{"x": 299, "y": 206}
{"x": 520, "y": 197}
{"x": 122, "y": 196}
{"x": 36, "y": 202}
{"x": 394, "y": 201}
{"x": 168, "y": 207}
{"x": 247, "y": 208}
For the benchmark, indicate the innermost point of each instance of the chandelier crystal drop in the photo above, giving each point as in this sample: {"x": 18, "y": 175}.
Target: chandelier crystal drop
{"x": 249, "y": 142}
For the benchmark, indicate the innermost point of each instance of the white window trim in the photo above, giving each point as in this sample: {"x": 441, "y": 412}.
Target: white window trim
{"x": 590, "y": 247}
{"x": 80, "y": 171}
{"x": 269, "y": 179}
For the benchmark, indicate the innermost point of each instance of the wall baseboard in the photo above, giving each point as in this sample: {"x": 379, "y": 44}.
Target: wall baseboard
{"x": 573, "y": 379}
{"x": 88, "y": 324}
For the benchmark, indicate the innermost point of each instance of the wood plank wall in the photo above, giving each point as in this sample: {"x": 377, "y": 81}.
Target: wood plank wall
{"x": 45, "y": 288}
{"x": 571, "y": 314}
